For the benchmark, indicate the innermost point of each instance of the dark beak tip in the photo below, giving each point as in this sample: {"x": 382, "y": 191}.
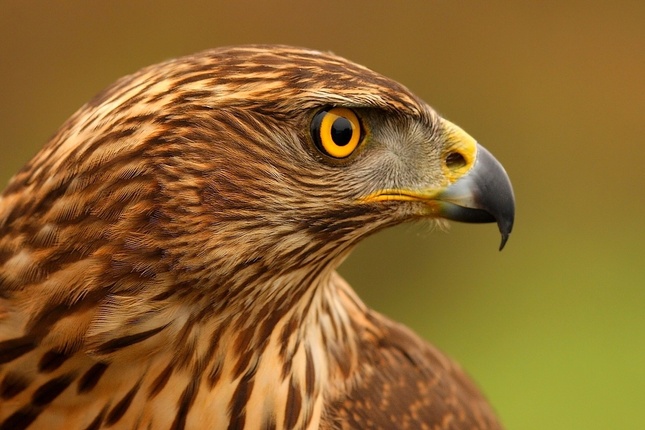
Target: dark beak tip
{"x": 505, "y": 222}
{"x": 505, "y": 237}
{"x": 496, "y": 195}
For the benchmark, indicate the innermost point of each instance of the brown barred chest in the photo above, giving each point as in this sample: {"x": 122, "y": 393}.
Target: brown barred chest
{"x": 83, "y": 393}
{"x": 278, "y": 385}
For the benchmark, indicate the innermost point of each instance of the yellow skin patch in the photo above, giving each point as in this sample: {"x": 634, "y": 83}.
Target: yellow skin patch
{"x": 460, "y": 143}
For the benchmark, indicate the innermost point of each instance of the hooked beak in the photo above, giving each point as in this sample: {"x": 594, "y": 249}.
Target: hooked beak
{"x": 477, "y": 188}
{"x": 483, "y": 194}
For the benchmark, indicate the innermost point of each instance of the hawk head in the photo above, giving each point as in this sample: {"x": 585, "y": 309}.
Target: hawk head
{"x": 195, "y": 210}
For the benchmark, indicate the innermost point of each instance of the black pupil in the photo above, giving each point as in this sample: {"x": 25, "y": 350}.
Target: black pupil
{"x": 341, "y": 131}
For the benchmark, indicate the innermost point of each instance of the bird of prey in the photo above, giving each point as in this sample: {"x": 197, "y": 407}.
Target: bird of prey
{"x": 167, "y": 260}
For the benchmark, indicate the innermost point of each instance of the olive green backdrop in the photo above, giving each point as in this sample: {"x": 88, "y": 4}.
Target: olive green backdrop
{"x": 552, "y": 328}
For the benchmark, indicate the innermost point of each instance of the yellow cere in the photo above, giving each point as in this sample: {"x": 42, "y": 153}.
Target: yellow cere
{"x": 461, "y": 145}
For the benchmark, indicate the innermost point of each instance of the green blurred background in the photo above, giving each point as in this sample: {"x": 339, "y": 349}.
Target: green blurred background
{"x": 552, "y": 328}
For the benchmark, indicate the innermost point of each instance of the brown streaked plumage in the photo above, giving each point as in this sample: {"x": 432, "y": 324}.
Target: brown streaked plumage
{"x": 167, "y": 259}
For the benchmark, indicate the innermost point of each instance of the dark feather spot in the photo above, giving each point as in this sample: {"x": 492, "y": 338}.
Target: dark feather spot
{"x": 51, "y": 361}
{"x": 46, "y": 393}
{"x": 21, "y": 419}
{"x": 160, "y": 381}
{"x": 294, "y": 404}
{"x": 310, "y": 373}
{"x": 91, "y": 378}
{"x": 215, "y": 374}
{"x": 186, "y": 401}
{"x": 14, "y": 348}
{"x": 114, "y": 345}
{"x": 12, "y": 385}
{"x": 240, "y": 400}
{"x": 121, "y": 408}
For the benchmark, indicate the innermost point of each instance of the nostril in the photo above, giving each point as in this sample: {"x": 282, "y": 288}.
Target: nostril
{"x": 455, "y": 161}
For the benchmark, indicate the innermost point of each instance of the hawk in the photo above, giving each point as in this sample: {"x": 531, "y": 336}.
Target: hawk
{"x": 167, "y": 260}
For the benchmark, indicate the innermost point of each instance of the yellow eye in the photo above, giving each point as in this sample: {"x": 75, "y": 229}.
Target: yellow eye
{"x": 336, "y": 132}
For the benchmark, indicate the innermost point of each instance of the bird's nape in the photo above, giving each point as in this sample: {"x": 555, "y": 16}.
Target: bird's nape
{"x": 167, "y": 260}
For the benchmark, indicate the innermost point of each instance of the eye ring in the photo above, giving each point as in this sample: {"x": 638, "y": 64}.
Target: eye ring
{"x": 336, "y": 132}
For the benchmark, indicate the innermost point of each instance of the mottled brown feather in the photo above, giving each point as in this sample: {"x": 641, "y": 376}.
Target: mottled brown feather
{"x": 167, "y": 259}
{"x": 404, "y": 383}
